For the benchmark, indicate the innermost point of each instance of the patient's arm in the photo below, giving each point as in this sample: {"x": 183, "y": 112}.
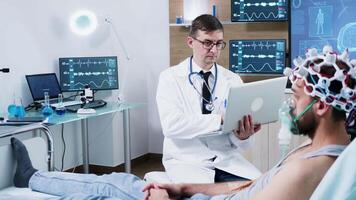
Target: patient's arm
{"x": 297, "y": 180}
{"x": 176, "y": 191}
{"x": 210, "y": 189}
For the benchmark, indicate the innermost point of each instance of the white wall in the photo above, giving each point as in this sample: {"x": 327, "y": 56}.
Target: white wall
{"x": 35, "y": 33}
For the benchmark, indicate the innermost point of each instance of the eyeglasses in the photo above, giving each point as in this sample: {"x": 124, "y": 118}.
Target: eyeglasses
{"x": 208, "y": 44}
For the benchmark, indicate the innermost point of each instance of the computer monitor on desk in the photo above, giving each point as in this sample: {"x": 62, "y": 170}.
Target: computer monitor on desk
{"x": 100, "y": 73}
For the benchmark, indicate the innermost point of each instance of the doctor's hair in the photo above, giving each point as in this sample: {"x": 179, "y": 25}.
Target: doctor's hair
{"x": 335, "y": 87}
{"x": 206, "y": 23}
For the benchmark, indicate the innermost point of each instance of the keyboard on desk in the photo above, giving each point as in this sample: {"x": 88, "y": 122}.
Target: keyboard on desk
{"x": 67, "y": 103}
{"x": 92, "y": 104}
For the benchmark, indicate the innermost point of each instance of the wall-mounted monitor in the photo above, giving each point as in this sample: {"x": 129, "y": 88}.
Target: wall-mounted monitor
{"x": 316, "y": 23}
{"x": 259, "y": 10}
{"x": 100, "y": 73}
{"x": 258, "y": 57}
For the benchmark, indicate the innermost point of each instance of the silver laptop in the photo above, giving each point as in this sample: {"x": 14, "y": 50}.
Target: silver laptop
{"x": 260, "y": 99}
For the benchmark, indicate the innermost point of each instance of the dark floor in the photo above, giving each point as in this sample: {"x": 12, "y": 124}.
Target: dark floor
{"x": 152, "y": 163}
{"x": 139, "y": 166}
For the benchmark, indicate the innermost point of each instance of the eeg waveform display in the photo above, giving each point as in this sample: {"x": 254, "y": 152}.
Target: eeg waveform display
{"x": 259, "y": 10}
{"x": 317, "y": 23}
{"x": 100, "y": 73}
{"x": 262, "y": 57}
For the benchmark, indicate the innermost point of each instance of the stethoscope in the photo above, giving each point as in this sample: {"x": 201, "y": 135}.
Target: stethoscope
{"x": 210, "y": 105}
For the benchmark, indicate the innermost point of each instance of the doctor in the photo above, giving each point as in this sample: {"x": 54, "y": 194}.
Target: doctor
{"x": 191, "y": 99}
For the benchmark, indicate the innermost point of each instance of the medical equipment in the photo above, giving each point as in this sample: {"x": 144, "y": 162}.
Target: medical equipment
{"x": 284, "y": 134}
{"x": 87, "y": 95}
{"x": 60, "y": 109}
{"x": 270, "y": 53}
{"x": 334, "y": 90}
{"x": 16, "y": 109}
{"x": 46, "y": 109}
{"x": 100, "y": 73}
{"x": 210, "y": 105}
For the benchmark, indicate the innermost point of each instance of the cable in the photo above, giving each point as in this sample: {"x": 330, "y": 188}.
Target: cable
{"x": 64, "y": 147}
{"x": 34, "y": 105}
{"x": 75, "y": 95}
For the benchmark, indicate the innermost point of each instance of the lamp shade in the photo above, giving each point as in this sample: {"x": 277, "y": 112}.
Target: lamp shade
{"x": 83, "y": 22}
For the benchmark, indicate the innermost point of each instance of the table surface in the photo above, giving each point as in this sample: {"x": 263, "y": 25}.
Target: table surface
{"x": 110, "y": 107}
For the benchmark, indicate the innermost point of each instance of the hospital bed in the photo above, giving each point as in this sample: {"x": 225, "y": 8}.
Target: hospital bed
{"x": 338, "y": 183}
{"x": 340, "y": 180}
{"x": 40, "y": 153}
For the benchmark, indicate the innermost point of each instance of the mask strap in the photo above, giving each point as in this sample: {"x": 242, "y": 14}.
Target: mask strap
{"x": 305, "y": 110}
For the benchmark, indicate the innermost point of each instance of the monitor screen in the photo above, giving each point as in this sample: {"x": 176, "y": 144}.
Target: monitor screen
{"x": 100, "y": 73}
{"x": 40, "y": 83}
{"x": 259, "y": 10}
{"x": 317, "y": 23}
{"x": 261, "y": 57}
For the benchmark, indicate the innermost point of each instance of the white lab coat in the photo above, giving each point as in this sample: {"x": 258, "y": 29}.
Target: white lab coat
{"x": 188, "y": 156}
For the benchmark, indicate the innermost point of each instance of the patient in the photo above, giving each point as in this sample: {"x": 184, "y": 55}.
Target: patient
{"x": 317, "y": 109}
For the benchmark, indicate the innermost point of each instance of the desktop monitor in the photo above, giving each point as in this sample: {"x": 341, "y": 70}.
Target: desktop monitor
{"x": 259, "y": 10}
{"x": 258, "y": 57}
{"x": 315, "y": 24}
{"x": 100, "y": 73}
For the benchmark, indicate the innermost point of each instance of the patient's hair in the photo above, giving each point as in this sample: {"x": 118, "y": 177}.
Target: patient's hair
{"x": 206, "y": 23}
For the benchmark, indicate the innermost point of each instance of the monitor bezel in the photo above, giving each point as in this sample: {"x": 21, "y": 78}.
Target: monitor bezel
{"x": 259, "y": 74}
{"x": 265, "y": 20}
{"x": 83, "y": 57}
{"x": 43, "y": 74}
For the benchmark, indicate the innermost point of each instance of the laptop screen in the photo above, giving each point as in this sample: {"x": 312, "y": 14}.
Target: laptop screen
{"x": 40, "y": 83}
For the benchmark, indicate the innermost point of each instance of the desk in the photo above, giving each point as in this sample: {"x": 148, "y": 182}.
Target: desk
{"x": 111, "y": 107}
{"x": 6, "y": 131}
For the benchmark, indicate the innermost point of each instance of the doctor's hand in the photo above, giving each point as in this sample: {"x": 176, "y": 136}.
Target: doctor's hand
{"x": 246, "y": 128}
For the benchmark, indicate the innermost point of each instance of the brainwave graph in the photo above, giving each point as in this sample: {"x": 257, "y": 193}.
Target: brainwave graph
{"x": 100, "y": 73}
{"x": 257, "y": 56}
{"x": 259, "y": 10}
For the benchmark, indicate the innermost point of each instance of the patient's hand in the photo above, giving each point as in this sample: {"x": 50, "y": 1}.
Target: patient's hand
{"x": 174, "y": 190}
{"x": 246, "y": 128}
{"x": 158, "y": 194}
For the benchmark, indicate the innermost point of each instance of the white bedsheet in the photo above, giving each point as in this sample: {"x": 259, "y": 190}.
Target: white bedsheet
{"x": 15, "y": 193}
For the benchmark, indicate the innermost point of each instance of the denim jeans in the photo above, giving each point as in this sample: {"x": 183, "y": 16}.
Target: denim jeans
{"x": 71, "y": 186}
{"x": 88, "y": 186}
